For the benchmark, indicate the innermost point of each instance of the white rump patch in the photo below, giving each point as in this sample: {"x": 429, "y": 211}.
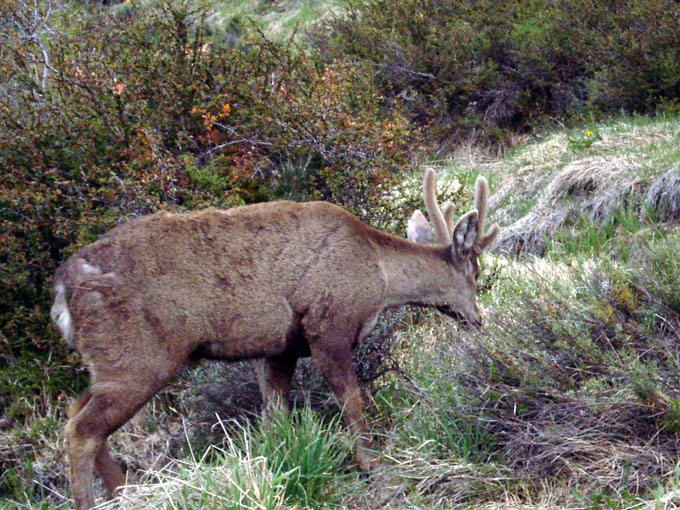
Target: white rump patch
{"x": 61, "y": 315}
{"x": 88, "y": 268}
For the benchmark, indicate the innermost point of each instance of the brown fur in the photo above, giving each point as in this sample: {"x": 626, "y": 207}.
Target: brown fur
{"x": 272, "y": 281}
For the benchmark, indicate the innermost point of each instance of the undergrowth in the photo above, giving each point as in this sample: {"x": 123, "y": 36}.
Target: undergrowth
{"x": 570, "y": 398}
{"x": 583, "y": 376}
{"x": 295, "y": 460}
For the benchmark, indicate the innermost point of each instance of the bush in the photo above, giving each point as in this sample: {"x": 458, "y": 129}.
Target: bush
{"x": 490, "y": 66}
{"x": 122, "y": 113}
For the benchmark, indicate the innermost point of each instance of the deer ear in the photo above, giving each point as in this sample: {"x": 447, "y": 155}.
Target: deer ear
{"x": 418, "y": 229}
{"x": 465, "y": 234}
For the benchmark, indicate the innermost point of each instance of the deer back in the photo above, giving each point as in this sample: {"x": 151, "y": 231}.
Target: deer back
{"x": 243, "y": 273}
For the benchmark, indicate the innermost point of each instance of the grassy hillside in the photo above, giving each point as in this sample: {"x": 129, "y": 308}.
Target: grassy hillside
{"x": 278, "y": 20}
{"x": 600, "y": 181}
{"x": 570, "y": 397}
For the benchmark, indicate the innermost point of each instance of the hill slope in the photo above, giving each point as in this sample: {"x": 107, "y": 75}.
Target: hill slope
{"x": 570, "y": 397}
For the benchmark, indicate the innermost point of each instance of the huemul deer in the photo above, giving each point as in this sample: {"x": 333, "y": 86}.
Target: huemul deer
{"x": 273, "y": 281}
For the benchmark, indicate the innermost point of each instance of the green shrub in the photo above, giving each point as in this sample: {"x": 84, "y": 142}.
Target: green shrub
{"x": 488, "y": 66}
{"x": 138, "y": 110}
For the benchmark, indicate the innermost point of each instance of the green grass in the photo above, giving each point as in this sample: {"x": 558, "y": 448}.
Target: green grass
{"x": 437, "y": 429}
{"x": 312, "y": 454}
{"x": 294, "y": 461}
{"x": 573, "y": 190}
{"x": 569, "y": 398}
{"x": 279, "y": 20}
{"x": 586, "y": 237}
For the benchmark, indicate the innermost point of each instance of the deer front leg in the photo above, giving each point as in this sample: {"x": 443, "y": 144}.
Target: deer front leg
{"x": 274, "y": 375}
{"x": 335, "y": 364}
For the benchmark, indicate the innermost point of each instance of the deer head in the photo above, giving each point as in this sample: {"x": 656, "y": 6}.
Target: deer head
{"x": 466, "y": 241}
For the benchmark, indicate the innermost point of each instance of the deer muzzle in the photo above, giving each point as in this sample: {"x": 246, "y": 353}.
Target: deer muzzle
{"x": 466, "y": 322}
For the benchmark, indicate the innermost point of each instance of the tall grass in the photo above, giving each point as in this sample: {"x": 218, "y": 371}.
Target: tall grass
{"x": 294, "y": 460}
{"x": 313, "y": 454}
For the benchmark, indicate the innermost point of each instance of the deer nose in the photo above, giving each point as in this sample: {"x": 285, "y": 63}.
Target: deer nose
{"x": 466, "y": 320}
{"x": 477, "y": 318}
{"x": 472, "y": 319}
{"x": 471, "y": 323}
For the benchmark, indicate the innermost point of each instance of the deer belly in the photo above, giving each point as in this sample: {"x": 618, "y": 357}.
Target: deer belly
{"x": 255, "y": 331}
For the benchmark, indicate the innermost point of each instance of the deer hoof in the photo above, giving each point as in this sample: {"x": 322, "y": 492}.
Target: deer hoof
{"x": 367, "y": 462}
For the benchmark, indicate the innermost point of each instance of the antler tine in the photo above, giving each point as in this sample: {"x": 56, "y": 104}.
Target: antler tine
{"x": 449, "y": 215}
{"x": 481, "y": 200}
{"x": 441, "y": 230}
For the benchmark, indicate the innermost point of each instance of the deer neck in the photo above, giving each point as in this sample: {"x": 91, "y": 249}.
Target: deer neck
{"x": 415, "y": 273}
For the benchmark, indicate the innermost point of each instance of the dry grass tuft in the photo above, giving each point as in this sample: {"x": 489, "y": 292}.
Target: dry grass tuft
{"x": 243, "y": 482}
{"x": 593, "y": 188}
{"x": 557, "y": 183}
{"x": 663, "y": 196}
{"x": 407, "y": 476}
{"x": 584, "y": 443}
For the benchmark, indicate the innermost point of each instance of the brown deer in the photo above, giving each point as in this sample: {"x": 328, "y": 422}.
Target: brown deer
{"x": 273, "y": 281}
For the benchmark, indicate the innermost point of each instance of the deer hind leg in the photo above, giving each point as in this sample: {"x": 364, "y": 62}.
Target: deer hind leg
{"x": 86, "y": 434}
{"x": 105, "y": 407}
{"x": 335, "y": 363}
{"x": 104, "y": 464}
{"x": 274, "y": 374}
{"x": 109, "y": 472}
